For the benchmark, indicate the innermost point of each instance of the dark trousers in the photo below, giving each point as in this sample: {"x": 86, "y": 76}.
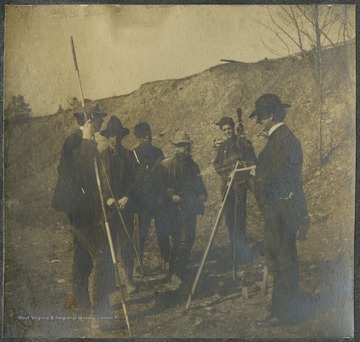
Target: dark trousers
{"x": 235, "y": 218}
{"x": 281, "y": 254}
{"x": 92, "y": 254}
{"x": 183, "y": 234}
{"x": 161, "y": 227}
{"x": 123, "y": 236}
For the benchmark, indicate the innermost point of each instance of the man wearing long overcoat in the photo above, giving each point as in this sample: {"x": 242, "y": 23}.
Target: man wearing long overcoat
{"x": 119, "y": 168}
{"x": 279, "y": 193}
{"x": 76, "y": 194}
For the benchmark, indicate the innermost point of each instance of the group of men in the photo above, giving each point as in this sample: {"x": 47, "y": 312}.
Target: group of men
{"x": 171, "y": 191}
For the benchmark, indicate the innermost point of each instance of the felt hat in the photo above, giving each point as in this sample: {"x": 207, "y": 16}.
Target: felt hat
{"x": 267, "y": 103}
{"x": 181, "y": 138}
{"x": 114, "y": 128}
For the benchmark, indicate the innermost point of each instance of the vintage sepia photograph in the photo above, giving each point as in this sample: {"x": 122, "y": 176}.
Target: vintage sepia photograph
{"x": 179, "y": 171}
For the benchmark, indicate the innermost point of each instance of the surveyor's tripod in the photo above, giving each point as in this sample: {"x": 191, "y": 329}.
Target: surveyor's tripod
{"x": 236, "y": 170}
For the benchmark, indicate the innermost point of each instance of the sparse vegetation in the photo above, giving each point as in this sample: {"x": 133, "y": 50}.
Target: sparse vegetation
{"x": 39, "y": 240}
{"x": 312, "y": 27}
{"x": 18, "y": 110}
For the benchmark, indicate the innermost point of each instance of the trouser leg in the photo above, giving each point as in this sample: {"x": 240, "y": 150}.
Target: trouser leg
{"x": 282, "y": 255}
{"x": 104, "y": 278}
{"x": 82, "y": 266}
{"x": 145, "y": 218}
{"x": 230, "y": 218}
{"x": 127, "y": 250}
{"x": 162, "y": 224}
{"x": 183, "y": 242}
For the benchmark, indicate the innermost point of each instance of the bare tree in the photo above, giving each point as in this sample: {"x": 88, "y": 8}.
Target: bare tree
{"x": 18, "y": 110}
{"x": 310, "y": 29}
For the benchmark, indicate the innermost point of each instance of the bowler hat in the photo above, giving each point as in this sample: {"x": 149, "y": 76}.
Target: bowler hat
{"x": 268, "y": 103}
{"x": 92, "y": 111}
{"x": 142, "y": 129}
{"x": 181, "y": 138}
{"x": 114, "y": 128}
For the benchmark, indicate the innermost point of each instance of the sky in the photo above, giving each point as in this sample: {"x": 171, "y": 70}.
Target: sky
{"x": 120, "y": 47}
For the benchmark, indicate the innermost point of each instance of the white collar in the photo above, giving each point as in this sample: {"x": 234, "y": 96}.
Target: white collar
{"x": 81, "y": 128}
{"x": 273, "y": 128}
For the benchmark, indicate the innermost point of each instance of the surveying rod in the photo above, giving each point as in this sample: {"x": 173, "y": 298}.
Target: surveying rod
{"x": 98, "y": 180}
{"x": 111, "y": 245}
{"x": 216, "y": 226}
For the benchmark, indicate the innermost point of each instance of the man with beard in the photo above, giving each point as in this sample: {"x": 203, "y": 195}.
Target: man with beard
{"x": 279, "y": 193}
{"x": 148, "y": 190}
{"x": 186, "y": 194}
{"x": 236, "y": 148}
{"x": 119, "y": 167}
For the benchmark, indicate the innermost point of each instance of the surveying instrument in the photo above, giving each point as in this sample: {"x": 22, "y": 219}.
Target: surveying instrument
{"x": 239, "y": 172}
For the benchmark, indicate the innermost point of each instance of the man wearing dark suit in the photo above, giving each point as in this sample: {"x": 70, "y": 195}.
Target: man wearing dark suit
{"x": 149, "y": 193}
{"x": 76, "y": 194}
{"x": 279, "y": 193}
{"x": 119, "y": 168}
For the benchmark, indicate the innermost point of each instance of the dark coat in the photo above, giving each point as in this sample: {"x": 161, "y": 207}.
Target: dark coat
{"x": 183, "y": 178}
{"x": 63, "y": 199}
{"x": 87, "y": 206}
{"x": 278, "y": 173}
{"x": 147, "y": 175}
{"x": 118, "y": 172}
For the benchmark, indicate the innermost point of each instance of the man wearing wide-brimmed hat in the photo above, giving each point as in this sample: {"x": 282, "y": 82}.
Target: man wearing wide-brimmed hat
{"x": 186, "y": 194}
{"x": 119, "y": 167}
{"x": 79, "y": 200}
{"x": 279, "y": 193}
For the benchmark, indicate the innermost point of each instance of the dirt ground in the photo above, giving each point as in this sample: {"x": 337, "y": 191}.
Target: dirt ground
{"x": 38, "y": 240}
{"x": 38, "y": 259}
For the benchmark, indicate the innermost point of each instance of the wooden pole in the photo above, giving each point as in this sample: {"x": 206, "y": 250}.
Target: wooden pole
{"x": 216, "y": 226}
{"x": 112, "y": 250}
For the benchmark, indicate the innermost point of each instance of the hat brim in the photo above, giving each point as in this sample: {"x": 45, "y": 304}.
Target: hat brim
{"x": 182, "y": 142}
{"x": 260, "y": 112}
{"x": 108, "y": 133}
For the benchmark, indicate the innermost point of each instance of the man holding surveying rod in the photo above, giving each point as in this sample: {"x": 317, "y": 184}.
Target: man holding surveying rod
{"x": 94, "y": 251}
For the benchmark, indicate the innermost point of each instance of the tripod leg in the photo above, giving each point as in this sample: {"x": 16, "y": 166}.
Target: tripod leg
{"x": 212, "y": 236}
{"x": 235, "y": 234}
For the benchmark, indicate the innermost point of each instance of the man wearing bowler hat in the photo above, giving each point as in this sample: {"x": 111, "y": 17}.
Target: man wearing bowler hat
{"x": 76, "y": 195}
{"x": 119, "y": 166}
{"x": 186, "y": 194}
{"x": 279, "y": 193}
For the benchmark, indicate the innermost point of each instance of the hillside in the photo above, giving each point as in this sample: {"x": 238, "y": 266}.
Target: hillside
{"x": 38, "y": 240}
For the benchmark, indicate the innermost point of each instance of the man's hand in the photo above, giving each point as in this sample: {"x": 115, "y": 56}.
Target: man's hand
{"x": 110, "y": 201}
{"x": 122, "y": 202}
{"x": 88, "y": 130}
{"x": 253, "y": 172}
{"x": 176, "y": 199}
